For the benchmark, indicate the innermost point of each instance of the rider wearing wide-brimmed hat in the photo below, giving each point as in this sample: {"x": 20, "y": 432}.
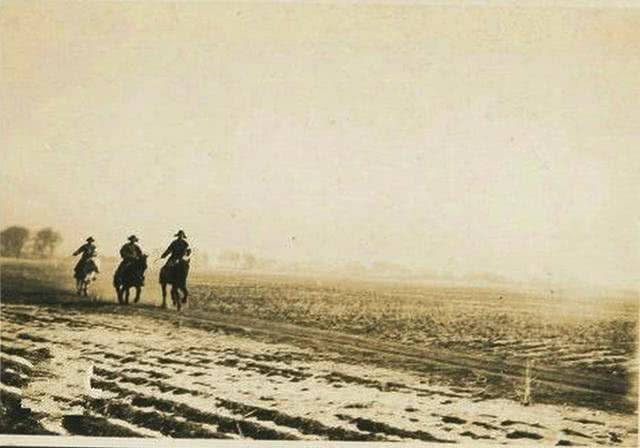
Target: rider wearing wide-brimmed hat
{"x": 87, "y": 252}
{"x": 131, "y": 251}
{"x": 177, "y": 249}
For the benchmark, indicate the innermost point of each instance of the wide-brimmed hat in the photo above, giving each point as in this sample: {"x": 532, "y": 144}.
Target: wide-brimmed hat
{"x": 180, "y": 233}
{"x": 90, "y": 239}
{"x": 133, "y": 238}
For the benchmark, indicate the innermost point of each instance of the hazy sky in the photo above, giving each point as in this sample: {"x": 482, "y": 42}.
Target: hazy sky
{"x": 501, "y": 140}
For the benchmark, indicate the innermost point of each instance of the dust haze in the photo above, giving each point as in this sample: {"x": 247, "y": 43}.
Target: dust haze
{"x": 448, "y": 140}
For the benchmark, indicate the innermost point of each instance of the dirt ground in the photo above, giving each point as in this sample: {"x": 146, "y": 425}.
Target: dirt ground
{"x": 73, "y": 367}
{"x": 80, "y": 373}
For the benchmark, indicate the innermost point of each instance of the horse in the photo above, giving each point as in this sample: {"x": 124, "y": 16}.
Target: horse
{"x": 127, "y": 276}
{"x": 175, "y": 274}
{"x": 85, "y": 274}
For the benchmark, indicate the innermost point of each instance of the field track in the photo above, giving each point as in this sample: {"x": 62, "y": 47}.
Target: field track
{"x": 411, "y": 355}
{"x": 101, "y": 369}
{"x": 75, "y": 366}
{"x": 408, "y": 357}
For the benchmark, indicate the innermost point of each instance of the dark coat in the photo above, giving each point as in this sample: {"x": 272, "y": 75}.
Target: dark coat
{"x": 130, "y": 251}
{"x": 87, "y": 250}
{"x": 177, "y": 249}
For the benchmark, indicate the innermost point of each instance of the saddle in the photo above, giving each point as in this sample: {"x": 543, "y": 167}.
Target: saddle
{"x": 86, "y": 267}
{"x": 175, "y": 268}
{"x": 126, "y": 264}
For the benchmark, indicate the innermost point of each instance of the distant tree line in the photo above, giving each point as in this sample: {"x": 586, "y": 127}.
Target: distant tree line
{"x": 18, "y": 242}
{"x": 237, "y": 260}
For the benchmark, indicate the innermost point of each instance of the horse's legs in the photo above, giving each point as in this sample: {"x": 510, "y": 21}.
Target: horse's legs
{"x": 126, "y": 295}
{"x": 164, "y": 294}
{"x": 138, "y": 292}
{"x": 175, "y": 294}
{"x": 186, "y": 294}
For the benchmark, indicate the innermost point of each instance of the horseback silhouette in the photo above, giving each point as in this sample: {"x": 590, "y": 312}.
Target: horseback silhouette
{"x": 87, "y": 268}
{"x": 130, "y": 272}
{"x": 176, "y": 270}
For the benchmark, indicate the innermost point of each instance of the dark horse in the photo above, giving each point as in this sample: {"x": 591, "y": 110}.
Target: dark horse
{"x": 175, "y": 274}
{"x": 127, "y": 276}
{"x": 85, "y": 274}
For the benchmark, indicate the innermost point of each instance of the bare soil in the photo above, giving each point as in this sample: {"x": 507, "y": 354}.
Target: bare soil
{"x": 78, "y": 367}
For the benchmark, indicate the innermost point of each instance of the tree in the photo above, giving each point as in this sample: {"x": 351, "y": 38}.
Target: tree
{"x": 12, "y": 241}
{"x": 45, "y": 242}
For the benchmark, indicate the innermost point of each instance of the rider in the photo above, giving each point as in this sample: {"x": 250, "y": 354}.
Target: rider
{"x": 130, "y": 252}
{"x": 88, "y": 251}
{"x": 177, "y": 249}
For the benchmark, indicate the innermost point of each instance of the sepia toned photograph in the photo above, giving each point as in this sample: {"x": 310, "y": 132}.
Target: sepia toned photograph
{"x": 296, "y": 223}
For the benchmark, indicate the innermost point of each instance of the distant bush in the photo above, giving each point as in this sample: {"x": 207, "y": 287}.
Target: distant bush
{"x": 45, "y": 242}
{"x": 12, "y": 241}
{"x": 15, "y": 242}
